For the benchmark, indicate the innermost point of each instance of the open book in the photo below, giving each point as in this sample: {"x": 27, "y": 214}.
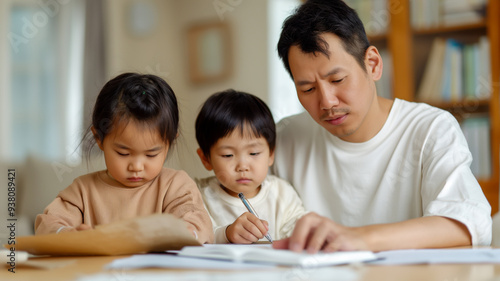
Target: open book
{"x": 266, "y": 254}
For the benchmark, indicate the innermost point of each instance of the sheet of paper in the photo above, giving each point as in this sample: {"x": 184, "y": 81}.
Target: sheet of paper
{"x": 434, "y": 256}
{"x": 317, "y": 274}
{"x": 266, "y": 254}
{"x": 173, "y": 261}
{"x": 153, "y": 233}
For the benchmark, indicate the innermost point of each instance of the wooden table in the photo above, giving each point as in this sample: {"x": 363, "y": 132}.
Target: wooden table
{"x": 76, "y": 267}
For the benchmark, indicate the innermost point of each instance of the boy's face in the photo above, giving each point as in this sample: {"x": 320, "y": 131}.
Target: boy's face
{"x": 339, "y": 94}
{"x": 240, "y": 162}
{"x": 134, "y": 155}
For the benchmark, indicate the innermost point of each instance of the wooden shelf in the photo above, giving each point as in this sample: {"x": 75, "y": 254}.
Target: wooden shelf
{"x": 465, "y": 109}
{"x": 377, "y": 38}
{"x": 450, "y": 29}
{"x": 471, "y": 104}
{"x": 410, "y": 48}
{"x": 490, "y": 189}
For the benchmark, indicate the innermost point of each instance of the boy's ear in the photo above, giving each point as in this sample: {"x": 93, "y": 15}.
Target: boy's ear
{"x": 204, "y": 160}
{"x": 96, "y": 137}
{"x": 271, "y": 158}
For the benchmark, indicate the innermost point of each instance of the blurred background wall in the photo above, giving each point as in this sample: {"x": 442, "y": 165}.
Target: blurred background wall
{"x": 56, "y": 55}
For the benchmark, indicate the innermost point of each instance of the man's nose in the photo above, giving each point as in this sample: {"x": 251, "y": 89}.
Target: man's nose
{"x": 328, "y": 97}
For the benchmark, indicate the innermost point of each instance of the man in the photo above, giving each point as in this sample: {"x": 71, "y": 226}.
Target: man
{"x": 379, "y": 174}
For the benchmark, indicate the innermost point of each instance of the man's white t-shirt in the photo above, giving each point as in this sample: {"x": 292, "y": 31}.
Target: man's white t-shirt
{"x": 417, "y": 165}
{"x": 277, "y": 203}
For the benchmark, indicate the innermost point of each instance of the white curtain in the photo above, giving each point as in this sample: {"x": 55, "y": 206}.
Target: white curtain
{"x": 283, "y": 99}
{"x": 94, "y": 66}
{"x": 43, "y": 97}
{"x": 4, "y": 81}
{"x": 71, "y": 41}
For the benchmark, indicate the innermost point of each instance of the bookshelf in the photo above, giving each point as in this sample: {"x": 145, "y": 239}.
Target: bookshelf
{"x": 410, "y": 48}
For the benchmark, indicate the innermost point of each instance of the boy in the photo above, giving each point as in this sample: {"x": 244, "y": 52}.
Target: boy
{"x": 237, "y": 134}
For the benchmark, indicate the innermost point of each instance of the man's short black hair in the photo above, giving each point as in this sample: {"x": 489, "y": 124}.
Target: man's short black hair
{"x": 226, "y": 111}
{"x": 316, "y": 17}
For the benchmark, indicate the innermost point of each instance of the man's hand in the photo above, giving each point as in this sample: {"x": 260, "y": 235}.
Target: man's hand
{"x": 314, "y": 232}
{"x": 246, "y": 229}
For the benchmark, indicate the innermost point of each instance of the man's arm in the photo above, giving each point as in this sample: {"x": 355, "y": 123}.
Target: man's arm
{"x": 313, "y": 233}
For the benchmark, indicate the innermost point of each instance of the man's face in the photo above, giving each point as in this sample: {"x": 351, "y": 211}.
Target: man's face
{"x": 336, "y": 91}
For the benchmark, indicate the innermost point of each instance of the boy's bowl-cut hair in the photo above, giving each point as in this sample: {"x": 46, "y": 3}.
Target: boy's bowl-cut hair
{"x": 225, "y": 111}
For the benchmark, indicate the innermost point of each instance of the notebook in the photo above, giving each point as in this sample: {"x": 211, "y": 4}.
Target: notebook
{"x": 266, "y": 254}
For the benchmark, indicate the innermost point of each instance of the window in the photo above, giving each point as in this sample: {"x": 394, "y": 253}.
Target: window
{"x": 45, "y": 74}
{"x": 283, "y": 99}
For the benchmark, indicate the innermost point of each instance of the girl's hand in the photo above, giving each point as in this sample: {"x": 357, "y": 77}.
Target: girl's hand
{"x": 83, "y": 227}
{"x": 71, "y": 229}
{"x": 192, "y": 229}
{"x": 246, "y": 229}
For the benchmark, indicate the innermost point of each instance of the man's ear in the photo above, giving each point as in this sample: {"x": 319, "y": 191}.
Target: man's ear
{"x": 373, "y": 62}
{"x": 204, "y": 160}
{"x": 96, "y": 137}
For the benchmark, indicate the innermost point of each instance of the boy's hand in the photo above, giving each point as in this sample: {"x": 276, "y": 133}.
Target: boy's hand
{"x": 246, "y": 229}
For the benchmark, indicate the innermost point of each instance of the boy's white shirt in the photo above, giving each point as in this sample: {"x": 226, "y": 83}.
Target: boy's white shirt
{"x": 417, "y": 165}
{"x": 277, "y": 203}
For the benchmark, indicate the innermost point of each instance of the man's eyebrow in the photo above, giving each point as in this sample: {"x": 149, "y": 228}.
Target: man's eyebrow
{"x": 334, "y": 71}
{"x": 303, "y": 82}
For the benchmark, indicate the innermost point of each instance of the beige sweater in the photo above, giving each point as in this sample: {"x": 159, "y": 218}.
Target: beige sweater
{"x": 91, "y": 201}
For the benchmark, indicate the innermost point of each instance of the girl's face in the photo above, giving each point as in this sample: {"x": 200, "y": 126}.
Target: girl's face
{"x": 134, "y": 154}
{"x": 240, "y": 162}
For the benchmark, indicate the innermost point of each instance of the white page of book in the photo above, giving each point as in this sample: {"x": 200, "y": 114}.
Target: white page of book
{"x": 316, "y": 274}
{"x": 436, "y": 256}
{"x": 173, "y": 261}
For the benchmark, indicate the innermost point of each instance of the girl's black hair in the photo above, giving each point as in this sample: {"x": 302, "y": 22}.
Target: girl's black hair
{"x": 145, "y": 98}
{"x": 225, "y": 111}
{"x": 316, "y": 17}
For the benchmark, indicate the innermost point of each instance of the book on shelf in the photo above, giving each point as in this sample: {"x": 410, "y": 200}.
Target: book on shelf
{"x": 484, "y": 80}
{"x": 471, "y": 70}
{"x": 477, "y": 133}
{"x": 459, "y": 18}
{"x": 424, "y": 13}
{"x": 436, "y": 13}
{"x": 451, "y": 86}
{"x": 457, "y": 6}
{"x": 433, "y": 72}
{"x": 456, "y": 71}
{"x": 260, "y": 253}
{"x": 374, "y": 14}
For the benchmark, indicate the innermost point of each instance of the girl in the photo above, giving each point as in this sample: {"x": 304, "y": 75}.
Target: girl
{"x": 135, "y": 122}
